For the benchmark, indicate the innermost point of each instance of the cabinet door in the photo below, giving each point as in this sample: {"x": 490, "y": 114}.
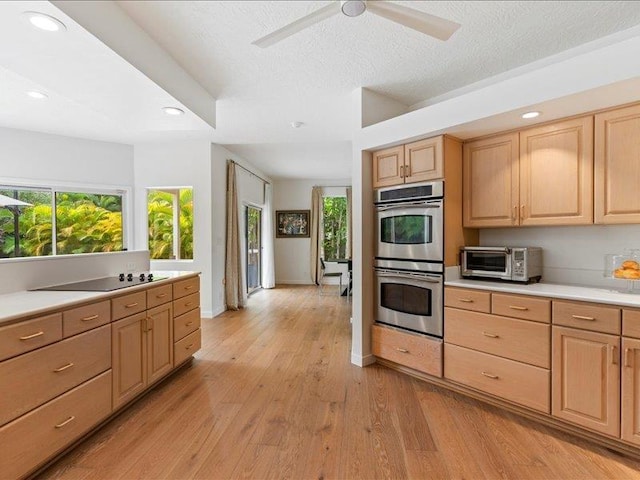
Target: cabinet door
{"x": 423, "y": 160}
{"x": 617, "y": 169}
{"x": 586, "y": 379}
{"x": 129, "y": 358}
{"x": 388, "y": 167}
{"x": 631, "y": 390}
{"x": 490, "y": 182}
{"x": 556, "y": 174}
{"x": 159, "y": 326}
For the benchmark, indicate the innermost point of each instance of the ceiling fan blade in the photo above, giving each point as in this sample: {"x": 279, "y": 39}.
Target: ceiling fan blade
{"x": 431, "y": 25}
{"x": 300, "y": 24}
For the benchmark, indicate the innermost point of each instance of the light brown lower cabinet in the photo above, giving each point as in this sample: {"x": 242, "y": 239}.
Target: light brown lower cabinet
{"x": 33, "y": 438}
{"x": 408, "y": 349}
{"x": 586, "y": 379}
{"x": 142, "y": 351}
{"x": 631, "y": 390}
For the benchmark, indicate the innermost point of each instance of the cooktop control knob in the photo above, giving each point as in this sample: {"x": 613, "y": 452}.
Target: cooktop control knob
{"x": 121, "y": 277}
{"x": 150, "y": 277}
{"x": 130, "y": 277}
{"x": 142, "y": 277}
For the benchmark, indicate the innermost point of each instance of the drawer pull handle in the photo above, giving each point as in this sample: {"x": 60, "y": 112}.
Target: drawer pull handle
{"x": 466, "y": 300}
{"x": 161, "y": 295}
{"x": 131, "y": 305}
{"x": 33, "y": 335}
{"x": 68, "y": 420}
{"x": 188, "y": 347}
{"x": 89, "y": 318}
{"x": 582, "y": 317}
{"x": 62, "y": 369}
{"x": 516, "y": 307}
{"x": 490, "y": 335}
{"x": 188, "y": 287}
{"x": 495, "y": 377}
{"x": 188, "y": 304}
{"x": 627, "y": 351}
{"x": 402, "y": 350}
{"x": 188, "y": 324}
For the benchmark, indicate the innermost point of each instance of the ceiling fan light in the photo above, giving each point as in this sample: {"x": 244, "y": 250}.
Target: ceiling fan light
{"x": 353, "y": 8}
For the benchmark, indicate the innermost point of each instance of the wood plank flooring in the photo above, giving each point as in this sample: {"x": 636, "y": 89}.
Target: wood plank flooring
{"x": 272, "y": 395}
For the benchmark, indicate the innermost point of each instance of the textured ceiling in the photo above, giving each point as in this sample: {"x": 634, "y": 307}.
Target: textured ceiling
{"x": 308, "y": 77}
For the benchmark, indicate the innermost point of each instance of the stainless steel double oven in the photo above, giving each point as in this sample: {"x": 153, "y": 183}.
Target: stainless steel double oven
{"x": 410, "y": 257}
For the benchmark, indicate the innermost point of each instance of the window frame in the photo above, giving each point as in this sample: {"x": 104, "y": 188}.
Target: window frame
{"x": 340, "y": 195}
{"x": 53, "y": 188}
{"x": 175, "y": 192}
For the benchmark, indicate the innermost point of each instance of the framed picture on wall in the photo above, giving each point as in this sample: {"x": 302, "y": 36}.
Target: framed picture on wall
{"x": 292, "y": 223}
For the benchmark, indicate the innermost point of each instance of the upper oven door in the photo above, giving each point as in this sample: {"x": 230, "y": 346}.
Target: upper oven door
{"x": 411, "y": 231}
{"x": 487, "y": 262}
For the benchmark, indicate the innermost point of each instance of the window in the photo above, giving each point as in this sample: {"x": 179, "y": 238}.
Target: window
{"x": 335, "y": 227}
{"x": 83, "y": 222}
{"x": 170, "y": 213}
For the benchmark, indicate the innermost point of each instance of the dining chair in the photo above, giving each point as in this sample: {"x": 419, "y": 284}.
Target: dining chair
{"x": 324, "y": 273}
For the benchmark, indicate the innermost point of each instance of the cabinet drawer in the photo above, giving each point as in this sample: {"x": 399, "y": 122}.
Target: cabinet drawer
{"x": 185, "y": 324}
{"x": 631, "y": 323}
{"x": 25, "y": 336}
{"x": 28, "y": 441}
{"x": 587, "y": 316}
{"x": 186, "y": 347}
{"x": 85, "y": 318}
{"x": 186, "y": 287}
{"x": 184, "y": 304}
{"x": 520, "y": 340}
{"x": 35, "y": 378}
{"x": 514, "y": 381}
{"x": 475, "y": 300}
{"x": 413, "y": 351}
{"x": 128, "y": 305}
{"x": 520, "y": 306}
{"x": 159, "y": 295}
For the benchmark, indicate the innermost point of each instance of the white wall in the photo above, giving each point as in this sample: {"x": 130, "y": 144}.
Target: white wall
{"x": 56, "y": 159}
{"x": 573, "y": 255}
{"x": 293, "y": 255}
{"x": 184, "y": 163}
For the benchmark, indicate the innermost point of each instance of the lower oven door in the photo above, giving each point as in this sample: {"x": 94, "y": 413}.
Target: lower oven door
{"x": 410, "y": 300}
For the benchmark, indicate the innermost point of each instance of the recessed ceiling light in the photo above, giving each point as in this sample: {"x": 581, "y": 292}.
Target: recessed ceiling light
{"x": 45, "y": 22}
{"x": 37, "y": 94}
{"x": 296, "y": 124}
{"x": 530, "y": 114}
{"x": 173, "y": 111}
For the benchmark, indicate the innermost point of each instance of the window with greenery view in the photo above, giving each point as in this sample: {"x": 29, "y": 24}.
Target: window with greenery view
{"x": 335, "y": 227}
{"x": 170, "y": 213}
{"x": 83, "y": 223}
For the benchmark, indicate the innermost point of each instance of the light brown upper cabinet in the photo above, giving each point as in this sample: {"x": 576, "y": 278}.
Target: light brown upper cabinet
{"x": 490, "y": 182}
{"x": 617, "y": 166}
{"x": 539, "y": 176}
{"x": 414, "y": 162}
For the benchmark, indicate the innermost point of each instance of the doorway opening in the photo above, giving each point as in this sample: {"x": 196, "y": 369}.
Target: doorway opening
{"x": 253, "y": 236}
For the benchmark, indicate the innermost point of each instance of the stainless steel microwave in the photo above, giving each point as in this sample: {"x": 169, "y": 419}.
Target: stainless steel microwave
{"x": 515, "y": 264}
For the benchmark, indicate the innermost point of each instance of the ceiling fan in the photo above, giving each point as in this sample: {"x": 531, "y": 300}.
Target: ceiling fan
{"x": 431, "y": 25}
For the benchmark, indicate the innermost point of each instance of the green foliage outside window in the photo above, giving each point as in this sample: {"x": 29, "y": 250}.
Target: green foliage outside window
{"x": 85, "y": 223}
{"x": 335, "y": 227}
{"x": 161, "y": 228}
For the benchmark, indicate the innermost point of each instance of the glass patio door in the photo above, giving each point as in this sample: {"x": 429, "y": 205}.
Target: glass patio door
{"x": 253, "y": 222}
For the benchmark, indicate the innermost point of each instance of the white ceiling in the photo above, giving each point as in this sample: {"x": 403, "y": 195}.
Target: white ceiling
{"x": 308, "y": 77}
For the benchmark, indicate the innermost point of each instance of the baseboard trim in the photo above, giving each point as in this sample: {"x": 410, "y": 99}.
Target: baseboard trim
{"x": 362, "y": 361}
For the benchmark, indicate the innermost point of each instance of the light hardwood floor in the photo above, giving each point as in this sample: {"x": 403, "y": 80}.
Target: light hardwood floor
{"x": 272, "y": 394}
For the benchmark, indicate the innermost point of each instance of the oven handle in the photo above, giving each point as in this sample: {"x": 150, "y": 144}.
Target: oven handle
{"x": 392, "y": 206}
{"x": 409, "y": 276}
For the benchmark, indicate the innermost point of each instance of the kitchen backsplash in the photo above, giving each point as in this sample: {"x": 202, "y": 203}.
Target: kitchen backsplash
{"x": 573, "y": 255}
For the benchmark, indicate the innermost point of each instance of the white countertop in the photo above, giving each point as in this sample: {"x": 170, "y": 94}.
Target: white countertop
{"x": 30, "y": 303}
{"x": 568, "y": 292}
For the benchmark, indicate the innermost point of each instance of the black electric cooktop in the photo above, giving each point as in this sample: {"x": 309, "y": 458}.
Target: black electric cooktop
{"x": 106, "y": 284}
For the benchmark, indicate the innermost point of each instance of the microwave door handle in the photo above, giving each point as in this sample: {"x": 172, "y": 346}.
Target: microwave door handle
{"x": 395, "y": 206}
{"x": 419, "y": 278}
